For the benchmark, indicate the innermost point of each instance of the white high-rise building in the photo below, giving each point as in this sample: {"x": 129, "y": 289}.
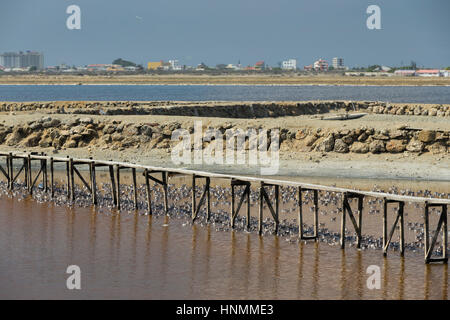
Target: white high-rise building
{"x": 290, "y": 64}
{"x": 338, "y": 63}
{"x": 175, "y": 65}
{"x": 22, "y": 60}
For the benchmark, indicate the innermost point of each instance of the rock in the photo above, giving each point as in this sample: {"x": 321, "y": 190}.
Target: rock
{"x": 377, "y": 146}
{"x": 427, "y": 136}
{"x": 300, "y": 135}
{"x": 45, "y": 119}
{"x": 437, "y": 147}
{"x": 397, "y": 134}
{"x": 348, "y": 139}
{"x": 146, "y": 130}
{"x": 35, "y": 126}
{"x": 86, "y": 120}
{"x": 380, "y": 137}
{"x": 51, "y": 124}
{"x": 46, "y": 141}
{"x": 109, "y": 129}
{"x": 3, "y": 134}
{"x": 359, "y": 147}
{"x": 59, "y": 142}
{"x": 362, "y": 137}
{"x": 309, "y": 141}
{"x": 395, "y": 146}
{"x": 432, "y": 112}
{"x": 71, "y": 144}
{"x": 128, "y": 142}
{"x": 16, "y": 136}
{"x": 89, "y": 134}
{"x": 32, "y": 140}
{"x": 326, "y": 145}
{"x": 340, "y": 146}
{"x": 167, "y": 132}
{"x": 76, "y": 137}
{"x": 117, "y": 137}
{"x": 415, "y": 146}
{"x": 105, "y": 139}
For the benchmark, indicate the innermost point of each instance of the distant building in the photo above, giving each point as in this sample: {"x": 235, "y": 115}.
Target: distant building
{"x": 338, "y": 63}
{"x": 233, "y": 66}
{"x": 290, "y": 64}
{"x": 155, "y": 65}
{"x": 10, "y": 60}
{"x": 308, "y": 67}
{"x": 321, "y": 65}
{"x": 26, "y": 59}
{"x": 260, "y": 65}
{"x": 445, "y": 73}
{"x": 428, "y": 73}
{"x": 405, "y": 73}
{"x": 175, "y": 65}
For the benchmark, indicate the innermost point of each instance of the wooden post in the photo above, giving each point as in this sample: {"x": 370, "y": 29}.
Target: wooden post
{"x": 30, "y": 173}
{"x": 401, "y": 206}
{"x": 360, "y": 213}
{"x": 149, "y": 195}
{"x": 384, "y": 225}
{"x": 52, "y": 178}
{"x": 316, "y": 214}
{"x": 248, "y": 207}
{"x": 277, "y": 208}
{"x": 427, "y": 230}
{"x": 133, "y": 172}
{"x": 113, "y": 184}
{"x": 208, "y": 199}
{"x": 232, "y": 205}
{"x": 68, "y": 177}
{"x": 72, "y": 179}
{"x": 45, "y": 175}
{"x": 343, "y": 221}
{"x": 9, "y": 161}
{"x": 165, "y": 190}
{"x": 93, "y": 183}
{"x": 118, "y": 185}
{"x": 445, "y": 234}
{"x": 300, "y": 213}
{"x": 261, "y": 199}
{"x": 193, "y": 197}
{"x": 25, "y": 166}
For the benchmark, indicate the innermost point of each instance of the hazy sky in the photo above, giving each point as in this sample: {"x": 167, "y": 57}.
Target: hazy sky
{"x": 225, "y": 31}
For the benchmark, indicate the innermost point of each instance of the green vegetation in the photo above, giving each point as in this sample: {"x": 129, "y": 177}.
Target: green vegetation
{"x": 124, "y": 63}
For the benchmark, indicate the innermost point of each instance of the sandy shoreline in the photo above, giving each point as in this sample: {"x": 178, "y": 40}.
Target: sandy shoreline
{"x": 263, "y": 79}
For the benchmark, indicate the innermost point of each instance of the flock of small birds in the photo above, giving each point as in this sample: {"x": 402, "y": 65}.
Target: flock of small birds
{"x": 180, "y": 208}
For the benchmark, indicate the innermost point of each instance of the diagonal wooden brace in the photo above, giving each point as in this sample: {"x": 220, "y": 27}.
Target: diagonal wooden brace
{"x": 263, "y": 196}
{"x": 442, "y": 224}
{"x": 206, "y": 194}
{"x": 245, "y": 194}
{"x": 347, "y": 209}
{"x": 398, "y": 219}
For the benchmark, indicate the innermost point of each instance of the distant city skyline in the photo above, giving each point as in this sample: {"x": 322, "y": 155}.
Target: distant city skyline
{"x": 227, "y": 32}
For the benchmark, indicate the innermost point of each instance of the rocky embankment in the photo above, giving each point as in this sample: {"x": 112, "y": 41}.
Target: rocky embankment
{"x": 50, "y": 132}
{"x": 248, "y": 110}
